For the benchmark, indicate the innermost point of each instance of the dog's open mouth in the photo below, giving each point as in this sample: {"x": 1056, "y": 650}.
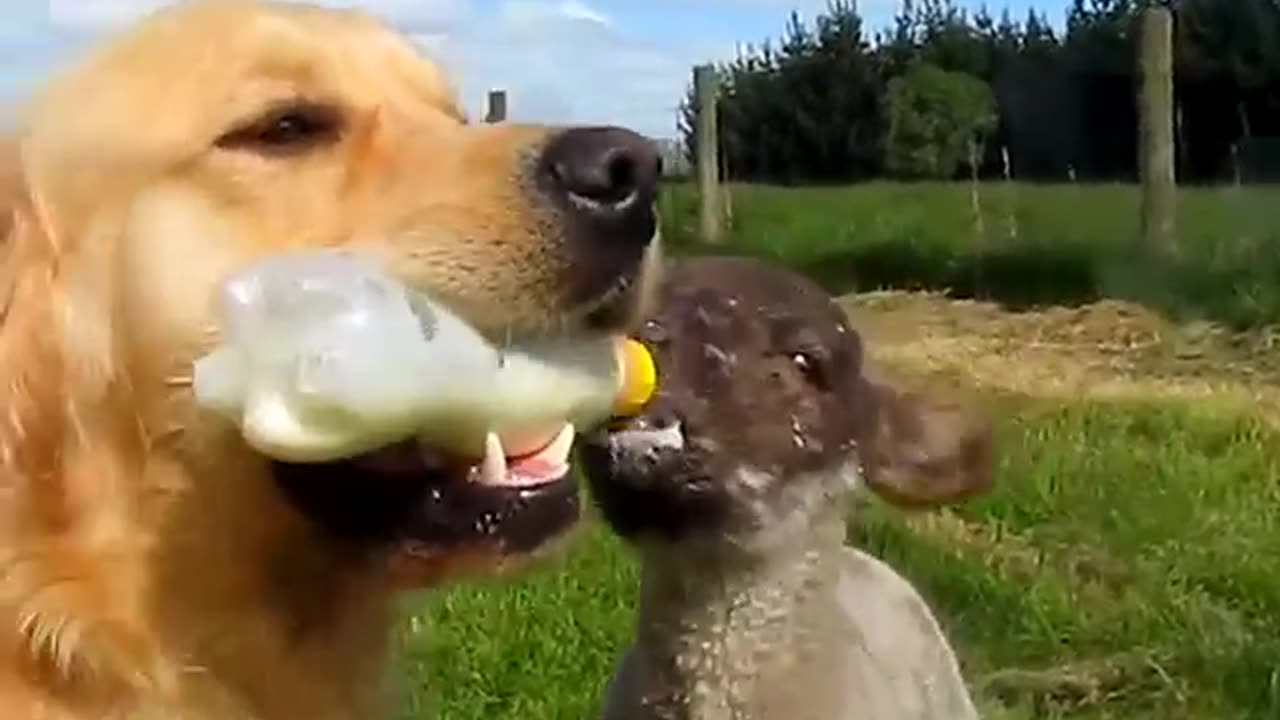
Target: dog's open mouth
{"x": 418, "y": 497}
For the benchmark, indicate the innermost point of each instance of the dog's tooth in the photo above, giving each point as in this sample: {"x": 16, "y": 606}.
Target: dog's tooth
{"x": 493, "y": 468}
{"x": 560, "y": 447}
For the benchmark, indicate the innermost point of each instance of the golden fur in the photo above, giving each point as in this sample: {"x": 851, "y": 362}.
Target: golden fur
{"x": 149, "y": 569}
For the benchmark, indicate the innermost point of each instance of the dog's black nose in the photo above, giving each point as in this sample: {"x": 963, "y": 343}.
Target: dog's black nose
{"x": 603, "y": 181}
{"x": 603, "y": 170}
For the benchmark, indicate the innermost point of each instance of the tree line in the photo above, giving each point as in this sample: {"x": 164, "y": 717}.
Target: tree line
{"x": 945, "y": 93}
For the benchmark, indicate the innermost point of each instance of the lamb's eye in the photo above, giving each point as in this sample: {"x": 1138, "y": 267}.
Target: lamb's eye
{"x": 655, "y": 333}
{"x": 811, "y": 367}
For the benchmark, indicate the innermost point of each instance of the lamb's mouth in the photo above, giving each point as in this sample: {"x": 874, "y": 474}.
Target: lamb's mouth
{"x": 640, "y": 445}
{"x": 419, "y": 501}
{"x": 652, "y": 477}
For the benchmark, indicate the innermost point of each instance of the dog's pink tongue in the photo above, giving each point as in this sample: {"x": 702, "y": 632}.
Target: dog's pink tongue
{"x": 547, "y": 464}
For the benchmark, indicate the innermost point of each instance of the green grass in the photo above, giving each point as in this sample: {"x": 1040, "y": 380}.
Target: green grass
{"x": 1124, "y": 568}
{"x": 1020, "y": 244}
{"x": 539, "y": 645}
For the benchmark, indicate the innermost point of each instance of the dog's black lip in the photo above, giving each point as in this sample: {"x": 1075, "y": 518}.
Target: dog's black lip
{"x": 387, "y": 497}
{"x": 519, "y": 519}
{"x": 613, "y": 306}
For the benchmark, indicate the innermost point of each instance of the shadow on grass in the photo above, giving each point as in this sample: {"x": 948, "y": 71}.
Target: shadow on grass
{"x": 1239, "y": 288}
{"x": 1034, "y": 246}
{"x": 1018, "y": 278}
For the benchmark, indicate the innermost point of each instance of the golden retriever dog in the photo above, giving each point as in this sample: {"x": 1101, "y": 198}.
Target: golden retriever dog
{"x": 153, "y": 565}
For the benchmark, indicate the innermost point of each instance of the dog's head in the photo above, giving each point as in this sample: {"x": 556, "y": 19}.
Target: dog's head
{"x": 765, "y": 409}
{"x": 219, "y": 132}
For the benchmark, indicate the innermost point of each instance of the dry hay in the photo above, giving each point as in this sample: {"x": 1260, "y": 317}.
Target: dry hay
{"x": 1086, "y": 683}
{"x": 1109, "y": 349}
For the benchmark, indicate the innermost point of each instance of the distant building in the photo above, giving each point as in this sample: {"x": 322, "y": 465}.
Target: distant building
{"x": 496, "y": 107}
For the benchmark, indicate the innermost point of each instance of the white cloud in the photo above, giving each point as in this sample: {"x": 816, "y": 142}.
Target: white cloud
{"x": 561, "y": 61}
{"x": 876, "y": 14}
{"x": 565, "y": 62}
{"x": 97, "y": 15}
{"x": 582, "y": 11}
{"x": 430, "y": 43}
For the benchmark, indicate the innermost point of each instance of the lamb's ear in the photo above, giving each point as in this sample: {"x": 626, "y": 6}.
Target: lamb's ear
{"x": 926, "y": 451}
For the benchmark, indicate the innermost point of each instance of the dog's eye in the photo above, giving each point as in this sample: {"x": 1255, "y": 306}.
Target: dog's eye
{"x": 294, "y": 127}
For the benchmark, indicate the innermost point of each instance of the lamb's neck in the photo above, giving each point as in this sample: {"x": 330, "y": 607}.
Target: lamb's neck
{"x": 714, "y": 623}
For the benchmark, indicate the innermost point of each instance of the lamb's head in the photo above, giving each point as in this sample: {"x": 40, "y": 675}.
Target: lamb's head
{"x": 766, "y": 415}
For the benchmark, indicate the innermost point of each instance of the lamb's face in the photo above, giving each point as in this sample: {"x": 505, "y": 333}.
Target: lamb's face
{"x": 760, "y": 386}
{"x": 764, "y": 409}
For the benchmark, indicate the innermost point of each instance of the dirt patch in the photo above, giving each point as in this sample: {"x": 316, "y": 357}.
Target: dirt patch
{"x": 1109, "y": 349}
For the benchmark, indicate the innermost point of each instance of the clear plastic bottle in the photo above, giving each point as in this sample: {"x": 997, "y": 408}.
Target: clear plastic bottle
{"x": 324, "y": 356}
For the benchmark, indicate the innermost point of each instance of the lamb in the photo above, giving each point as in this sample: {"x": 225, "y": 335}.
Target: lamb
{"x": 730, "y": 487}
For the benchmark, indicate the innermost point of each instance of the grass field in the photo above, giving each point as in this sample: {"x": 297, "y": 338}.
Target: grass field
{"x": 1123, "y": 568}
{"x": 1019, "y": 244}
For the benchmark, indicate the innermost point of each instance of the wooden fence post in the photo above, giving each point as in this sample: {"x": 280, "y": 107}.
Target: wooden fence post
{"x": 706, "y": 89}
{"x": 1156, "y": 154}
{"x": 497, "y": 107}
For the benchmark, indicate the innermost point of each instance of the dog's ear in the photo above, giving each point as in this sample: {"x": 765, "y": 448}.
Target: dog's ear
{"x": 23, "y": 230}
{"x": 926, "y": 451}
{"x": 10, "y": 186}
{"x": 56, "y": 460}
{"x": 30, "y": 357}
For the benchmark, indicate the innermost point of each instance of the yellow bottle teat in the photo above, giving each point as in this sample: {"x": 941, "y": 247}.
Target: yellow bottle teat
{"x": 639, "y": 379}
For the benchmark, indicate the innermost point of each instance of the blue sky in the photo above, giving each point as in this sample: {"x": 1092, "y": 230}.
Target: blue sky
{"x": 616, "y": 61}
